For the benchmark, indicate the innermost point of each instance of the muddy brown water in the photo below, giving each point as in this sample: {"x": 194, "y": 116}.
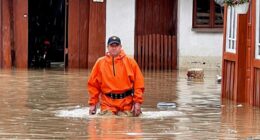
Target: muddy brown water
{"x": 52, "y": 104}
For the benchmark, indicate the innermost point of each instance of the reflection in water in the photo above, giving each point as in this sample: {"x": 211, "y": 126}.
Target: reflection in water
{"x": 32, "y": 103}
{"x": 240, "y": 120}
{"x": 114, "y": 128}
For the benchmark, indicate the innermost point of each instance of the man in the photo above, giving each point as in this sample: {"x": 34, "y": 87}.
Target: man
{"x": 117, "y": 81}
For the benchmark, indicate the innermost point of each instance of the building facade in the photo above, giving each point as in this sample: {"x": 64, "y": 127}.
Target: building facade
{"x": 167, "y": 34}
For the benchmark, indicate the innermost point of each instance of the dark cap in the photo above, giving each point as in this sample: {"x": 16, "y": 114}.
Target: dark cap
{"x": 114, "y": 40}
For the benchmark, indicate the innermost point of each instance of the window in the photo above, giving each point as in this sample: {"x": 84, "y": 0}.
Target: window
{"x": 231, "y": 30}
{"x": 257, "y": 43}
{"x": 207, "y": 14}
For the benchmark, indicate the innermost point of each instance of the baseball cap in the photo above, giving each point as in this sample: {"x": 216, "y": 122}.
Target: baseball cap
{"x": 114, "y": 40}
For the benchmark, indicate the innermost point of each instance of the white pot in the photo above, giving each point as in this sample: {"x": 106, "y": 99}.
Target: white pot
{"x": 242, "y": 8}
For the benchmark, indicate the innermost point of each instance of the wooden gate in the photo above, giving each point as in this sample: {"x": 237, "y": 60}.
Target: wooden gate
{"x": 86, "y": 32}
{"x": 155, "y": 34}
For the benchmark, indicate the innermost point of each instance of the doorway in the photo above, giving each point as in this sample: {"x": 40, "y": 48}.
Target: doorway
{"x": 47, "y": 25}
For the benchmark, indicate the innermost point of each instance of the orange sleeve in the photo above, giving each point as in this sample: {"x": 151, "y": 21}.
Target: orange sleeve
{"x": 138, "y": 83}
{"x": 93, "y": 85}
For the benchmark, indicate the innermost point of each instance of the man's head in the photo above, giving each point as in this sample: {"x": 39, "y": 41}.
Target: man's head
{"x": 114, "y": 45}
{"x": 114, "y": 40}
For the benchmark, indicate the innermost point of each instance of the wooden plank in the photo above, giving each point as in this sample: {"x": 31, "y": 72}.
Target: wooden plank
{"x": 232, "y": 76}
{"x": 139, "y": 50}
{"x": 174, "y": 52}
{"x": 6, "y": 38}
{"x": 169, "y": 53}
{"x": 83, "y": 33}
{"x": 165, "y": 42}
{"x": 158, "y": 55}
{"x": 73, "y": 34}
{"x": 257, "y": 86}
{"x": 136, "y": 49}
{"x": 149, "y": 52}
{"x": 248, "y": 60}
{"x": 97, "y": 32}
{"x": 1, "y": 43}
{"x": 146, "y": 52}
{"x": 241, "y": 54}
{"x": 162, "y": 52}
{"x": 256, "y": 91}
{"x": 233, "y": 82}
{"x": 253, "y": 102}
{"x": 21, "y": 33}
{"x": 228, "y": 83}
{"x": 251, "y": 37}
{"x": 154, "y": 51}
{"x": 256, "y": 63}
{"x": 143, "y": 52}
{"x": 230, "y": 56}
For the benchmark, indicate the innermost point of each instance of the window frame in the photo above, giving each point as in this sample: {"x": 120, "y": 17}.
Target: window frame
{"x": 257, "y": 32}
{"x": 231, "y": 33}
{"x": 211, "y": 24}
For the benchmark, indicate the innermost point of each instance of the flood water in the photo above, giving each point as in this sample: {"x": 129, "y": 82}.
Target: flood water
{"x": 52, "y": 104}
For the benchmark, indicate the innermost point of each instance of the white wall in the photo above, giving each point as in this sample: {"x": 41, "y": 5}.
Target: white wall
{"x": 120, "y": 21}
{"x": 196, "y": 46}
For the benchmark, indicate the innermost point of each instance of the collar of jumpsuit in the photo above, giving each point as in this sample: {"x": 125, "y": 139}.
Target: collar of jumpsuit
{"x": 109, "y": 58}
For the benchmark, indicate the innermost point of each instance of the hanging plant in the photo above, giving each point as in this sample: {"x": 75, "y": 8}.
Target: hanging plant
{"x": 235, "y": 2}
{"x": 241, "y": 6}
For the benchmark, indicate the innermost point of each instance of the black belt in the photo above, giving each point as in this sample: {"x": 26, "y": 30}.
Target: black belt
{"x": 120, "y": 95}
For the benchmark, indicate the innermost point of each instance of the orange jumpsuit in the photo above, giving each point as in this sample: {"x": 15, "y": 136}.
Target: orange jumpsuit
{"x": 116, "y": 75}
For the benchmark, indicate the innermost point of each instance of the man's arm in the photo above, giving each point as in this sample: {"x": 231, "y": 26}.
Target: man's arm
{"x": 138, "y": 89}
{"x": 94, "y": 88}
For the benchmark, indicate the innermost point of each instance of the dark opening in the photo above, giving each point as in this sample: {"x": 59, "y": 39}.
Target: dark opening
{"x": 47, "y": 34}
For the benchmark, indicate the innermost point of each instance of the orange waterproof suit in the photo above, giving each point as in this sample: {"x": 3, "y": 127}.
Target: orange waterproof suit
{"x": 115, "y": 75}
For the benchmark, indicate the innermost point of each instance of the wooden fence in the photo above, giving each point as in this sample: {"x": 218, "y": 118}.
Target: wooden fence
{"x": 156, "y": 52}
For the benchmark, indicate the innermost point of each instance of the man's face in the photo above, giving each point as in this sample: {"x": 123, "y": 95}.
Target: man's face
{"x": 114, "y": 49}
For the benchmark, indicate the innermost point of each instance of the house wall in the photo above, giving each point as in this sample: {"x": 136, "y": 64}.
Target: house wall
{"x": 194, "y": 48}
{"x": 120, "y": 21}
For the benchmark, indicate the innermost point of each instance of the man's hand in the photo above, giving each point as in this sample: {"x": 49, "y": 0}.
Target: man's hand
{"x": 92, "y": 110}
{"x": 136, "y": 109}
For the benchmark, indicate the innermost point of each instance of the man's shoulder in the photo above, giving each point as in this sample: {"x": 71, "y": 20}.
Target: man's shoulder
{"x": 129, "y": 58}
{"x": 101, "y": 59}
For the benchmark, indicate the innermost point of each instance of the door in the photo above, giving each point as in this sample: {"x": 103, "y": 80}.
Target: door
{"x": 234, "y": 56}
{"x": 155, "y": 34}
